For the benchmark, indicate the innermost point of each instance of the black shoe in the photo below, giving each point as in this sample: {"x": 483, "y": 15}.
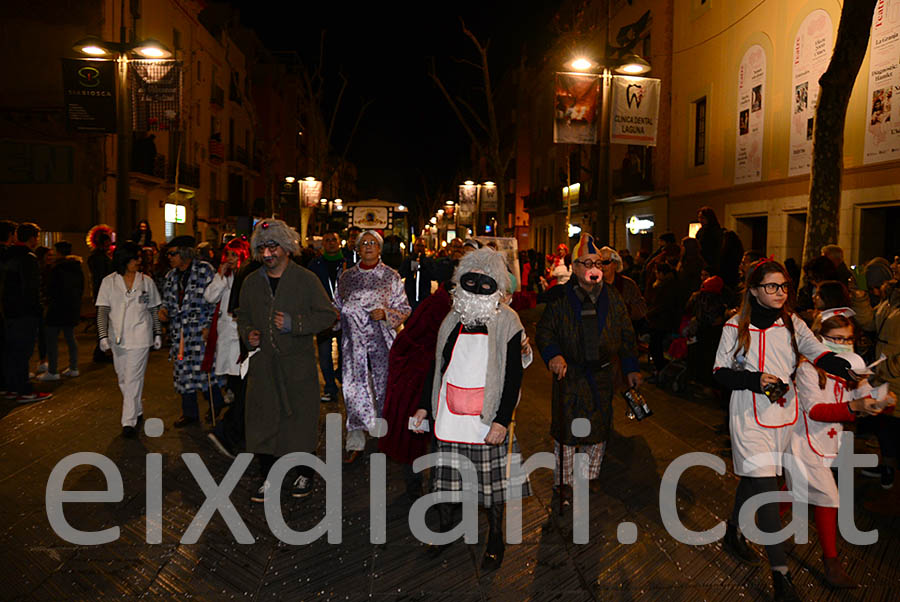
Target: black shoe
{"x": 221, "y": 446}
{"x": 184, "y": 421}
{"x": 736, "y": 545}
{"x": 445, "y": 517}
{"x": 784, "y": 588}
{"x": 140, "y": 419}
{"x": 259, "y": 496}
{"x": 129, "y": 432}
{"x": 327, "y": 397}
{"x": 493, "y": 553}
{"x": 303, "y": 486}
{"x": 563, "y": 495}
{"x": 887, "y": 477}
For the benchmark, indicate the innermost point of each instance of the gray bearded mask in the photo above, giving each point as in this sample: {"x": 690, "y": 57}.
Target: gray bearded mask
{"x": 475, "y": 310}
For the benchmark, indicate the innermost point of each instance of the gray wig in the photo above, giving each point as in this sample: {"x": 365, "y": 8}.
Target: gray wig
{"x": 268, "y": 230}
{"x": 371, "y": 233}
{"x": 486, "y": 261}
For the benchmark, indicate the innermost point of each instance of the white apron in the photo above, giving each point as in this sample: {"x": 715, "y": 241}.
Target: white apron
{"x": 461, "y": 398}
{"x": 814, "y": 444}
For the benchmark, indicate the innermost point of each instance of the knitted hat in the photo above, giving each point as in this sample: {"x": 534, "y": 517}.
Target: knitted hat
{"x": 713, "y": 284}
{"x": 878, "y": 271}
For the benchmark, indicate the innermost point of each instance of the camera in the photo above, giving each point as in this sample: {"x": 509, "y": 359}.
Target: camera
{"x": 637, "y": 405}
{"x": 775, "y": 391}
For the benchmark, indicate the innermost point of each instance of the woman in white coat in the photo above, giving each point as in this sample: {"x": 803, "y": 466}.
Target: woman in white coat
{"x": 760, "y": 347}
{"x": 825, "y": 402}
{"x": 228, "y": 435}
{"x": 127, "y": 323}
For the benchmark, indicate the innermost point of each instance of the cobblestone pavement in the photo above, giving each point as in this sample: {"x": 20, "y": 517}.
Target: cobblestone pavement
{"x": 83, "y": 416}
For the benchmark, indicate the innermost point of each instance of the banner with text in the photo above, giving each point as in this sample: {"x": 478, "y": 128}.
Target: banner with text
{"x": 882, "y": 114}
{"x": 634, "y": 110}
{"x": 812, "y": 52}
{"x": 577, "y": 107}
{"x": 89, "y": 89}
{"x": 156, "y": 95}
{"x": 310, "y": 193}
{"x": 748, "y": 149}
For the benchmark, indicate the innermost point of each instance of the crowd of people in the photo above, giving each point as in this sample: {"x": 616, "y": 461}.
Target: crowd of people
{"x": 432, "y": 343}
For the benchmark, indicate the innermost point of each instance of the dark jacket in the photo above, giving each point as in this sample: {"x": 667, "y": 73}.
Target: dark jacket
{"x": 65, "y": 287}
{"x": 329, "y": 272}
{"x": 21, "y": 283}
{"x": 426, "y": 275}
{"x": 101, "y": 266}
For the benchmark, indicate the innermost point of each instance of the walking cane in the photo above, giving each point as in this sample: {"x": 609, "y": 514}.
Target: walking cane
{"x": 212, "y": 411}
{"x": 510, "y": 433}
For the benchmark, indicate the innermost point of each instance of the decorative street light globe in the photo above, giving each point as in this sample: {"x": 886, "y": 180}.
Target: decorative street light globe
{"x": 581, "y": 64}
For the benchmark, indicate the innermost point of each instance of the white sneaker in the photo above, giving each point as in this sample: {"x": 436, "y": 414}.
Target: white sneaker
{"x": 68, "y": 372}
{"x": 42, "y": 367}
{"x": 47, "y": 376}
{"x": 260, "y": 495}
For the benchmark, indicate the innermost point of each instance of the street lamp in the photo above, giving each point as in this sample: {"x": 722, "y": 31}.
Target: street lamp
{"x": 96, "y": 47}
{"x": 290, "y": 179}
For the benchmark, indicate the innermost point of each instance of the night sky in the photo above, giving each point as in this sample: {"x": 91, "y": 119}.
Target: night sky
{"x": 409, "y": 131}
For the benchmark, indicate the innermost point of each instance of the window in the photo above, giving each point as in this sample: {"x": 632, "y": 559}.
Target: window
{"x": 700, "y": 131}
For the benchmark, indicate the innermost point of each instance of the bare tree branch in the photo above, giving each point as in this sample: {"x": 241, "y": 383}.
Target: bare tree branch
{"x": 432, "y": 73}
{"x": 337, "y": 106}
{"x": 475, "y": 115}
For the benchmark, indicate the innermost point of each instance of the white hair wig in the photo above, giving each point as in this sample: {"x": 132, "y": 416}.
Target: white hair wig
{"x": 371, "y": 233}
{"x": 269, "y": 230}
{"x": 614, "y": 256}
{"x": 487, "y": 261}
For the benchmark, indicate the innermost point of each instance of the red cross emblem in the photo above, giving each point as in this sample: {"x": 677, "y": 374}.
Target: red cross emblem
{"x": 832, "y": 433}
{"x": 781, "y": 401}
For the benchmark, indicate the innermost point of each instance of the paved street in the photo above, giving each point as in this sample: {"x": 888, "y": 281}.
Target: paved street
{"x": 84, "y": 416}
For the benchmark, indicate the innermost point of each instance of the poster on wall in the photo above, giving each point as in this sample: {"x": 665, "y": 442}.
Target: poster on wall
{"x": 812, "y": 53}
{"x": 882, "y": 115}
{"x": 576, "y": 108}
{"x": 634, "y": 110}
{"x": 750, "y": 116}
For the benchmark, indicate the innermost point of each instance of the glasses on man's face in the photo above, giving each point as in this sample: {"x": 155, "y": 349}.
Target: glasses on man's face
{"x": 839, "y": 340}
{"x": 368, "y": 243}
{"x": 171, "y": 253}
{"x": 771, "y": 287}
{"x": 590, "y": 263}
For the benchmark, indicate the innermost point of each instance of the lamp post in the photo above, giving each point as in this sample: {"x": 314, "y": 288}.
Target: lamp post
{"x": 98, "y": 48}
{"x": 630, "y": 64}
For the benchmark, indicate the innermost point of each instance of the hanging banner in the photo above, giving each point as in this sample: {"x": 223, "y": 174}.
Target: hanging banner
{"x": 812, "y": 53}
{"x": 488, "y": 198}
{"x": 750, "y": 116}
{"x": 89, "y": 92}
{"x": 634, "y": 110}
{"x": 467, "y": 198}
{"x": 577, "y": 106}
{"x": 882, "y": 115}
{"x": 371, "y": 218}
{"x": 310, "y": 193}
{"x": 155, "y": 95}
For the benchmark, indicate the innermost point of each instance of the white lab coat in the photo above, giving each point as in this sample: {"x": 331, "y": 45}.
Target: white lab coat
{"x": 130, "y": 335}
{"x": 815, "y": 445}
{"x": 228, "y": 347}
{"x": 757, "y": 425}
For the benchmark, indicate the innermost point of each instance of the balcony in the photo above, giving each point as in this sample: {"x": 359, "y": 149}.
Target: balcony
{"x": 217, "y": 97}
{"x": 547, "y": 200}
{"x": 239, "y": 155}
{"x": 188, "y": 175}
{"x": 216, "y": 151}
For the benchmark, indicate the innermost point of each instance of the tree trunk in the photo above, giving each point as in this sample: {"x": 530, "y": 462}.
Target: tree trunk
{"x": 836, "y": 84}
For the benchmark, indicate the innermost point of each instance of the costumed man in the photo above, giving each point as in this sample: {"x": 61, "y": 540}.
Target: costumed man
{"x": 473, "y": 390}
{"x": 189, "y": 316}
{"x": 373, "y": 305}
{"x": 282, "y": 307}
{"x": 585, "y": 336}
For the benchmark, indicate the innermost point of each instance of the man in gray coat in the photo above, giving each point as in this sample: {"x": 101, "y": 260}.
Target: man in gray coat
{"x": 282, "y": 307}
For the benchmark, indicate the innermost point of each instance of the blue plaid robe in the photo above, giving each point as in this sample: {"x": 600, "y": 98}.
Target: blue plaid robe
{"x": 189, "y": 318}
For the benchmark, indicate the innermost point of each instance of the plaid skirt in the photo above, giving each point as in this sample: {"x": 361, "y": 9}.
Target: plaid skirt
{"x": 490, "y": 468}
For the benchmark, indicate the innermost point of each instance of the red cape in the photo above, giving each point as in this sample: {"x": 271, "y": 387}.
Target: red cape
{"x": 409, "y": 362}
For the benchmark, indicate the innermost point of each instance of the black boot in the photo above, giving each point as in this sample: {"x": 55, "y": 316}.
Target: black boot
{"x": 445, "y": 517}
{"x": 493, "y": 553}
{"x": 784, "y": 587}
{"x": 735, "y": 544}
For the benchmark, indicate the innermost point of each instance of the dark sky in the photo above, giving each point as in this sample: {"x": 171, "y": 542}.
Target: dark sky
{"x": 384, "y": 49}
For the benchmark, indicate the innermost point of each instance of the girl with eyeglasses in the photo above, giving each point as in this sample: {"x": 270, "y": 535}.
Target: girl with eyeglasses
{"x": 761, "y": 347}
{"x": 826, "y": 401}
